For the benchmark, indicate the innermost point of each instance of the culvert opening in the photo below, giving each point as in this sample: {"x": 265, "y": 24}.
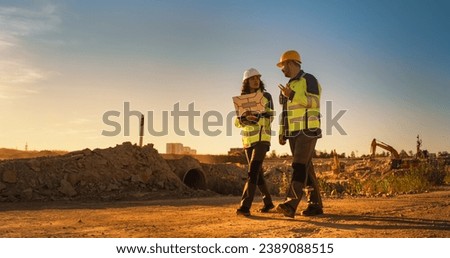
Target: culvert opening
{"x": 195, "y": 179}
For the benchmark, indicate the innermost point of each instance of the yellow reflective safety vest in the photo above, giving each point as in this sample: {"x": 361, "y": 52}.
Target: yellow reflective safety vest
{"x": 301, "y": 111}
{"x": 260, "y": 131}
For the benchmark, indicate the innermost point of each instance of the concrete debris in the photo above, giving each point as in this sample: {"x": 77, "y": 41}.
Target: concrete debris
{"x": 128, "y": 171}
{"x": 9, "y": 176}
{"x": 112, "y": 173}
{"x": 356, "y": 177}
{"x": 2, "y": 186}
{"x": 67, "y": 189}
{"x": 27, "y": 194}
{"x": 226, "y": 179}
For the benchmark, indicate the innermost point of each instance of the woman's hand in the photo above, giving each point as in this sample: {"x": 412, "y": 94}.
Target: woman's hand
{"x": 249, "y": 118}
{"x": 252, "y": 118}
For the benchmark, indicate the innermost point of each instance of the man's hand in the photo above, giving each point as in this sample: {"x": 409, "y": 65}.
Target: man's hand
{"x": 285, "y": 90}
{"x": 281, "y": 139}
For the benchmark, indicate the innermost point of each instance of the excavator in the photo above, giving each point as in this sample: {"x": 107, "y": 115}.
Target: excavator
{"x": 396, "y": 161}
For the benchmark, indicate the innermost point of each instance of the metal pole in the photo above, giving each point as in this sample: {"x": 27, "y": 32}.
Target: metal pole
{"x": 141, "y": 131}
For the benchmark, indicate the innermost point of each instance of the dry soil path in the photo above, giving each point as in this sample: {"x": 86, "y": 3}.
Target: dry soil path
{"x": 411, "y": 216}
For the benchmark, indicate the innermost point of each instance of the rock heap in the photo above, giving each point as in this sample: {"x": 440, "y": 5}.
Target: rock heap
{"x": 129, "y": 172}
{"x": 111, "y": 173}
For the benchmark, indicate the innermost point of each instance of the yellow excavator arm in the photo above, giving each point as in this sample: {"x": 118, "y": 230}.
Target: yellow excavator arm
{"x": 375, "y": 143}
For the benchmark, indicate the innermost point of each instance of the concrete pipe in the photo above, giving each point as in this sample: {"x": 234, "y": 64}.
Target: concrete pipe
{"x": 195, "y": 178}
{"x": 189, "y": 171}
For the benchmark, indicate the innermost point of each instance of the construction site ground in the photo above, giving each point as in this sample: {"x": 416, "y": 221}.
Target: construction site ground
{"x": 407, "y": 216}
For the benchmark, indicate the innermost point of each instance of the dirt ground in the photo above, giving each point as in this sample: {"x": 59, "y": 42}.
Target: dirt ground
{"x": 409, "y": 216}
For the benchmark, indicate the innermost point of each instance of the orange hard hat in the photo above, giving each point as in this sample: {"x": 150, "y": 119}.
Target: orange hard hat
{"x": 289, "y": 55}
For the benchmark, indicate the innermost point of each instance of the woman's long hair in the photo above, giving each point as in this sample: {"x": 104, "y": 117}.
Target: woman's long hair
{"x": 245, "y": 89}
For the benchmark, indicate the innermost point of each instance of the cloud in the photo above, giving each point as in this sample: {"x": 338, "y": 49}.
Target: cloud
{"x": 17, "y": 71}
{"x": 24, "y": 22}
{"x": 5, "y": 42}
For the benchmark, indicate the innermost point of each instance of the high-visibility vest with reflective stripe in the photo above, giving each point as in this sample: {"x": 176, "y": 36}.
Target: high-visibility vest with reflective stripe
{"x": 258, "y": 132}
{"x": 303, "y": 111}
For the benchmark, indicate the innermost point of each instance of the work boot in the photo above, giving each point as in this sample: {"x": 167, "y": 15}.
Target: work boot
{"x": 312, "y": 210}
{"x": 243, "y": 211}
{"x": 267, "y": 199}
{"x": 247, "y": 199}
{"x": 313, "y": 197}
{"x": 286, "y": 209}
{"x": 293, "y": 198}
{"x": 266, "y": 208}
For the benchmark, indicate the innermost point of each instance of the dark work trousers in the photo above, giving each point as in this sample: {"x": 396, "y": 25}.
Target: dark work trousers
{"x": 255, "y": 157}
{"x": 302, "y": 148}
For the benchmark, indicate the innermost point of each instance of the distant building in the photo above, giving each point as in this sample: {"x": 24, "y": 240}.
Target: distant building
{"x": 174, "y": 148}
{"x": 179, "y": 149}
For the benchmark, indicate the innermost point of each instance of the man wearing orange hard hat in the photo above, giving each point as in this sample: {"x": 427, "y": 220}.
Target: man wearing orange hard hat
{"x": 300, "y": 125}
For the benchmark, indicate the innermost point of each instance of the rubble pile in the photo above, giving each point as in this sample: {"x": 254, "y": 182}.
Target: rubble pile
{"x": 353, "y": 169}
{"x": 229, "y": 178}
{"x": 225, "y": 178}
{"x": 111, "y": 173}
{"x": 356, "y": 177}
{"x": 128, "y": 171}
{"x": 278, "y": 176}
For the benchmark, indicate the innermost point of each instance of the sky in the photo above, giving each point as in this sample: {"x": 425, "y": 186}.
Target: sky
{"x": 74, "y": 74}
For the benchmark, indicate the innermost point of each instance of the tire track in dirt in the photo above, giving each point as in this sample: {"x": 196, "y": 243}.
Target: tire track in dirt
{"x": 410, "y": 216}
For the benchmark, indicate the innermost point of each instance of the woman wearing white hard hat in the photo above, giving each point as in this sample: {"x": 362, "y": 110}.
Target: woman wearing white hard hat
{"x": 256, "y": 132}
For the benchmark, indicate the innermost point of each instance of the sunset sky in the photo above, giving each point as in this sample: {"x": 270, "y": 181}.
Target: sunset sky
{"x": 64, "y": 64}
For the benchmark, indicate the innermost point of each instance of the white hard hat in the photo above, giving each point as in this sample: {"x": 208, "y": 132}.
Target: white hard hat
{"x": 250, "y": 73}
